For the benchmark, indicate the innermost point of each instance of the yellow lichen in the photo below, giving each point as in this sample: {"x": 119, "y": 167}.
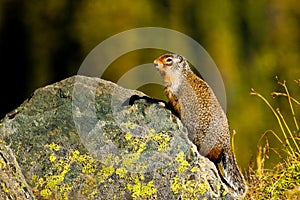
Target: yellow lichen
{"x": 128, "y": 136}
{"x": 183, "y": 164}
{"x": 41, "y": 181}
{"x": 4, "y": 188}
{"x": 55, "y": 185}
{"x": 176, "y": 186}
{"x": 181, "y": 183}
{"x": 141, "y": 176}
{"x": 163, "y": 141}
{"x": 66, "y": 188}
{"x": 104, "y": 173}
{"x": 93, "y": 193}
{"x": 89, "y": 185}
{"x": 82, "y": 158}
{"x": 130, "y": 160}
{"x": 142, "y": 190}
{"x": 141, "y": 147}
{"x": 54, "y": 147}
{"x": 194, "y": 169}
{"x": 189, "y": 189}
{"x": 45, "y": 193}
{"x": 224, "y": 193}
{"x": 129, "y": 125}
{"x": 52, "y": 157}
{"x": 121, "y": 172}
{"x": 34, "y": 178}
{"x": 138, "y": 145}
{"x": 157, "y": 137}
{"x": 151, "y": 132}
{"x": 75, "y": 155}
{"x": 2, "y": 164}
{"x": 89, "y": 167}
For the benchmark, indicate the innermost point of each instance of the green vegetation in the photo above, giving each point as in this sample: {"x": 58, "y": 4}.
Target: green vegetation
{"x": 283, "y": 181}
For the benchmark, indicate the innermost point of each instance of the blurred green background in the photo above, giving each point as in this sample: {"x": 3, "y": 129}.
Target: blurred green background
{"x": 42, "y": 42}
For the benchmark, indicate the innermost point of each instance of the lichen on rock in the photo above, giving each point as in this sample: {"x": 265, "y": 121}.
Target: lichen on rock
{"x": 86, "y": 138}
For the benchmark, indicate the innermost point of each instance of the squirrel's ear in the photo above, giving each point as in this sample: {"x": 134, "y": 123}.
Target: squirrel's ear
{"x": 180, "y": 58}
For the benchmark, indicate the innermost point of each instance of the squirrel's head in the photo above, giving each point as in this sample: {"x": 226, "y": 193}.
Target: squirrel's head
{"x": 173, "y": 62}
{"x": 172, "y": 68}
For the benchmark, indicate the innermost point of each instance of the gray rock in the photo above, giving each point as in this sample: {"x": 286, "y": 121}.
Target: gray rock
{"x": 87, "y": 138}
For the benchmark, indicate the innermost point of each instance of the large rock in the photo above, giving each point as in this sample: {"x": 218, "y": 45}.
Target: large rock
{"x": 86, "y": 138}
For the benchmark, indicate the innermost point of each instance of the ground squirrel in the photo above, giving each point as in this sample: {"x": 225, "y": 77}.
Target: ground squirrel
{"x": 199, "y": 110}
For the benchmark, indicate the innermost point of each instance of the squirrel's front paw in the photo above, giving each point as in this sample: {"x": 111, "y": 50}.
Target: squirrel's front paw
{"x": 162, "y": 104}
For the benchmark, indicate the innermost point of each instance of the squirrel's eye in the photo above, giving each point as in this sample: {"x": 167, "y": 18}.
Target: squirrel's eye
{"x": 169, "y": 60}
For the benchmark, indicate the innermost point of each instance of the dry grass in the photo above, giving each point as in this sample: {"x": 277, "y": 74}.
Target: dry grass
{"x": 283, "y": 181}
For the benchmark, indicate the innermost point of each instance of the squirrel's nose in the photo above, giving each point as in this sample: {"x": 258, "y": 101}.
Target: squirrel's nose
{"x": 156, "y": 63}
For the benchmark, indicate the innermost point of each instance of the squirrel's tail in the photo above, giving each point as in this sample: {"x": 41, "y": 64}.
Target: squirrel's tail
{"x": 231, "y": 174}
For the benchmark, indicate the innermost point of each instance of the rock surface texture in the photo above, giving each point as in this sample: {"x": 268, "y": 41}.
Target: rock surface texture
{"x": 87, "y": 138}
